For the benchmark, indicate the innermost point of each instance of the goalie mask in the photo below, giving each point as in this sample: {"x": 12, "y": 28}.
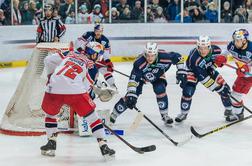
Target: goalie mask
{"x": 94, "y": 51}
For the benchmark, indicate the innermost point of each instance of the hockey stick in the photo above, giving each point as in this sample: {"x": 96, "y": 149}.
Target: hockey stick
{"x": 139, "y": 150}
{"x": 233, "y": 67}
{"x": 160, "y": 130}
{"x": 196, "y": 134}
{"x": 126, "y": 75}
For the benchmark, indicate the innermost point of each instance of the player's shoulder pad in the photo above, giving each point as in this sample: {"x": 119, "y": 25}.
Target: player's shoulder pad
{"x": 230, "y": 46}
{"x": 140, "y": 61}
{"x": 195, "y": 59}
{"x": 216, "y": 49}
{"x": 168, "y": 57}
{"x": 105, "y": 41}
{"x": 88, "y": 34}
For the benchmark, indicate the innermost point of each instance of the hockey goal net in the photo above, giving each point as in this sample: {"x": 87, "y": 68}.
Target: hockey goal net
{"x": 23, "y": 115}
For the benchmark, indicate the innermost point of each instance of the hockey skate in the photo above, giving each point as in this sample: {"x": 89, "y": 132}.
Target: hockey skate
{"x": 181, "y": 117}
{"x": 107, "y": 153}
{"x": 167, "y": 120}
{"x": 49, "y": 148}
{"x": 235, "y": 117}
{"x": 227, "y": 112}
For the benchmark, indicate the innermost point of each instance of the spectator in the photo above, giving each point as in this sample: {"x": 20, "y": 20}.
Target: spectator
{"x": 104, "y": 6}
{"x": 197, "y": 16}
{"x": 240, "y": 15}
{"x": 159, "y": 17}
{"x": 56, "y": 14}
{"x": 32, "y": 8}
{"x": 57, "y": 5}
{"x": 186, "y": 17}
{"x": 83, "y": 16}
{"x": 137, "y": 12}
{"x": 6, "y": 7}
{"x": 114, "y": 14}
{"x": 126, "y": 15}
{"x": 121, "y": 6}
{"x": 16, "y": 13}
{"x": 154, "y": 6}
{"x": 172, "y": 9}
{"x": 212, "y": 13}
{"x": 2, "y": 18}
{"x": 190, "y": 4}
{"x": 66, "y": 9}
{"x": 150, "y": 15}
{"x": 96, "y": 16}
{"x": 87, "y": 3}
{"x": 70, "y": 19}
{"x": 226, "y": 14}
{"x": 26, "y": 14}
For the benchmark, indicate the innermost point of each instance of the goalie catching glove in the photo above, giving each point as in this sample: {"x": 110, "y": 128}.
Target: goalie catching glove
{"x": 103, "y": 91}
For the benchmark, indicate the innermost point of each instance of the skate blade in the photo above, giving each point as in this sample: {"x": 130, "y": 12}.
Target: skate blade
{"x": 169, "y": 125}
{"x": 109, "y": 157}
{"x": 50, "y": 153}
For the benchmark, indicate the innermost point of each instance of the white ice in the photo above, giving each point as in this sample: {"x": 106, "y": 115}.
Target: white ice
{"x": 229, "y": 147}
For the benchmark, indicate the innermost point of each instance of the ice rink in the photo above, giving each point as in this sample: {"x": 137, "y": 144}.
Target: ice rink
{"x": 228, "y": 147}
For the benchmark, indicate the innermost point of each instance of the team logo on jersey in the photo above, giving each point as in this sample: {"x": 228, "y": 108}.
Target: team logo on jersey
{"x": 103, "y": 43}
{"x": 155, "y": 70}
{"x": 150, "y": 76}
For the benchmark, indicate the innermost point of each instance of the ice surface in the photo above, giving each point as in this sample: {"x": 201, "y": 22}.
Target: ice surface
{"x": 229, "y": 147}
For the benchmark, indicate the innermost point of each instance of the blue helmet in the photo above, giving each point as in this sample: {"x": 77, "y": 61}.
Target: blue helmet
{"x": 240, "y": 34}
{"x": 98, "y": 27}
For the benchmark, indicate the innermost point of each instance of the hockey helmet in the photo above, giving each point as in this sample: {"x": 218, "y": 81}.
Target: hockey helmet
{"x": 240, "y": 34}
{"x": 94, "y": 50}
{"x": 98, "y": 27}
{"x": 204, "y": 41}
{"x": 151, "y": 48}
{"x": 48, "y": 7}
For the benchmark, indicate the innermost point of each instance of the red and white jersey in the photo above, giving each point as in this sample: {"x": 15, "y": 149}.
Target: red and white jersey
{"x": 69, "y": 73}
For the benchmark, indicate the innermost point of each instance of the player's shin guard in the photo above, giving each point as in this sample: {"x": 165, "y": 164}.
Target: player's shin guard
{"x": 98, "y": 131}
{"x": 51, "y": 125}
{"x": 185, "y": 106}
{"x": 162, "y": 101}
{"x": 119, "y": 108}
{"x": 237, "y": 112}
{"x": 226, "y": 101}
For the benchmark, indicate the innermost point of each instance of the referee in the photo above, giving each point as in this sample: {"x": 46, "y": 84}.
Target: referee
{"x": 50, "y": 28}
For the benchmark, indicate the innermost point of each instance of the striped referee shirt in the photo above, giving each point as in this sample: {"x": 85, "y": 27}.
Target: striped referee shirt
{"x": 50, "y": 28}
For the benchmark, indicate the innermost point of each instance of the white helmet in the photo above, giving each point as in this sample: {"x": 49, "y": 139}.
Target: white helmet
{"x": 151, "y": 48}
{"x": 204, "y": 41}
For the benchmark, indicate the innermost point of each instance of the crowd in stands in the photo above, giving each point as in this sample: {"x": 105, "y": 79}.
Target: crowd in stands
{"x": 28, "y": 12}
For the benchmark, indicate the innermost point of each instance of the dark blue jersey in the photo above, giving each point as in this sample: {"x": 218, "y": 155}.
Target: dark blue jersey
{"x": 90, "y": 37}
{"x": 244, "y": 56}
{"x": 202, "y": 67}
{"x": 151, "y": 72}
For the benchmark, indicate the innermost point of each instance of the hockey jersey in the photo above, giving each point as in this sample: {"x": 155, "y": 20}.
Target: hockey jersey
{"x": 202, "y": 67}
{"x": 69, "y": 73}
{"x": 244, "y": 56}
{"x": 151, "y": 72}
{"x": 90, "y": 36}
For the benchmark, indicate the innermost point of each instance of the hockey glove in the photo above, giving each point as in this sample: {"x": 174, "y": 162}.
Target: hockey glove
{"x": 241, "y": 71}
{"x": 220, "y": 60}
{"x": 223, "y": 90}
{"x": 181, "y": 77}
{"x": 131, "y": 100}
{"x": 109, "y": 65}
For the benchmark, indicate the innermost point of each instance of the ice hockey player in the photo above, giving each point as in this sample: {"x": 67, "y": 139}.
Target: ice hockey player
{"x": 150, "y": 66}
{"x": 105, "y": 66}
{"x": 241, "y": 50}
{"x": 200, "y": 67}
{"x": 67, "y": 85}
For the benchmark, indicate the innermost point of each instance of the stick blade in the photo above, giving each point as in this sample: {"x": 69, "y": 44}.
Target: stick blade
{"x": 195, "y": 133}
{"x": 148, "y": 148}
